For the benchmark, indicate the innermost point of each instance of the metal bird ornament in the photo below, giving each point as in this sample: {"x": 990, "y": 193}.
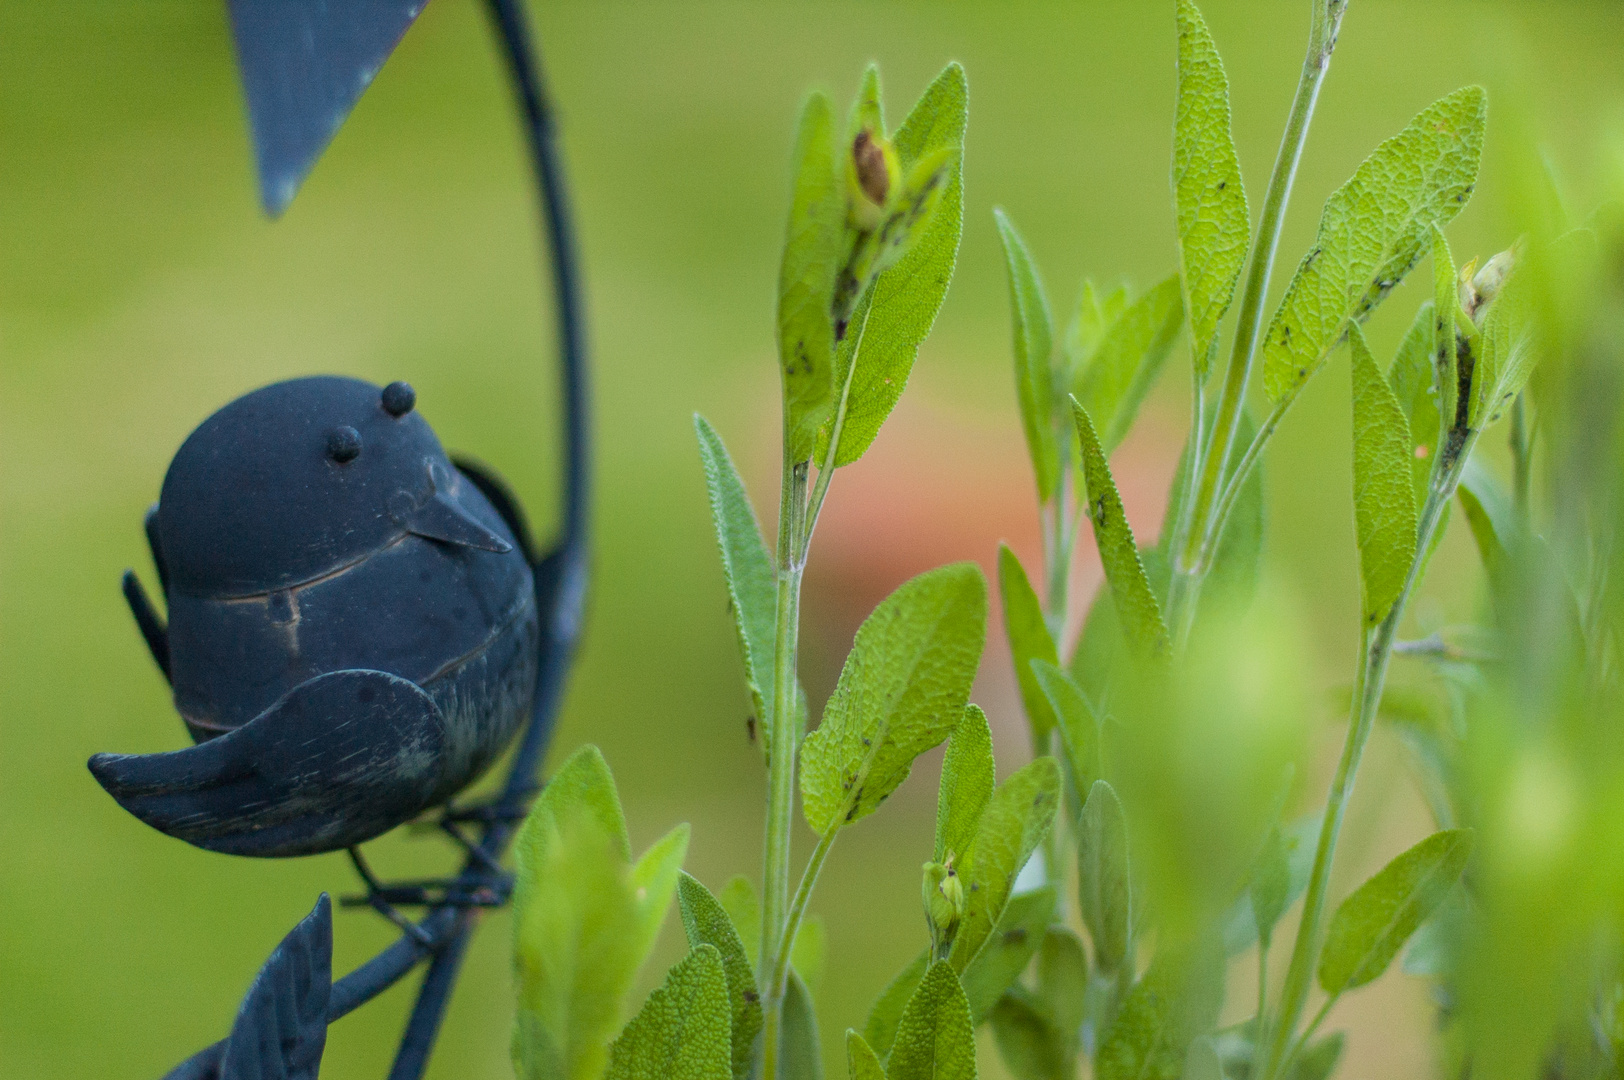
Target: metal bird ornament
{"x": 358, "y": 626}
{"x": 352, "y": 631}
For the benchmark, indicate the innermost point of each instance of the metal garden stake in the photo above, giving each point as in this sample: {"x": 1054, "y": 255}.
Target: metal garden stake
{"x": 358, "y": 626}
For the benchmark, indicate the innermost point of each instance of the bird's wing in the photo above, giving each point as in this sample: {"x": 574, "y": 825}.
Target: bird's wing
{"x": 337, "y": 761}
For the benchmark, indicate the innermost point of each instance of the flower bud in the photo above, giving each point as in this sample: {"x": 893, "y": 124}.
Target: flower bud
{"x": 873, "y": 174}
{"x": 1479, "y": 287}
{"x": 943, "y": 895}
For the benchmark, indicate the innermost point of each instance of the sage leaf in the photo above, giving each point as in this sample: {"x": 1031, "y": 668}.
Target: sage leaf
{"x": 1029, "y": 640}
{"x": 1176, "y": 1002}
{"x": 1201, "y": 1061}
{"x": 1506, "y": 352}
{"x": 1034, "y": 345}
{"x": 1213, "y": 220}
{"x": 681, "y": 1033}
{"x": 1030, "y": 1046}
{"x": 1095, "y": 314}
{"x": 1079, "y": 725}
{"x": 1378, "y": 917}
{"x": 1383, "y": 496}
{"x": 899, "y": 309}
{"x": 752, "y": 579}
{"x": 808, "y": 952}
{"x": 862, "y": 1063}
{"x": 1104, "y": 883}
{"x": 706, "y": 923}
{"x": 1115, "y": 379}
{"x": 934, "y": 1038}
{"x": 806, "y": 280}
{"x": 802, "y": 1055}
{"x": 1009, "y": 950}
{"x": 1454, "y": 394}
{"x": 738, "y": 898}
{"x": 584, "y": 921}
{"x": 967, "y": 783}
{"x": 880, "y": 1030}
{"x": 1062, "y": 971}
{"x": 1017, "y": 818}
{"x": 1374, "y": 229}
{"x": 1319, "y": 1060}
{"x": 1240, "y": 927}
{"x": 1137, "y": 610}
{"x": 1413, "y": 378}
{"x": 902, "y": 691}
{"x": 1271, "y": 883}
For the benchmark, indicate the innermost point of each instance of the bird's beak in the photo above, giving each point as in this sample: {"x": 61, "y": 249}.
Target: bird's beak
{"x": 441, "y": 518}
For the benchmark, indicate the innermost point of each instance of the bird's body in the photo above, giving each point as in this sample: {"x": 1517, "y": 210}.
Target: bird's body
{"x": 353, "y": 630}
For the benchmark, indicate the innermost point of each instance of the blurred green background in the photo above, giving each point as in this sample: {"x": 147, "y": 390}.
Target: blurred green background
{"x": 140, "y": 289}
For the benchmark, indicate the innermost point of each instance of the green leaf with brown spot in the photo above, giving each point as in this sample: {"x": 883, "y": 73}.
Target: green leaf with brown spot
{"x": 1374, "y": 229}
{"x": 902, "y": 691}
{"x": 1017, "y": 818}
{"x": 1213, "y": 221}
{"x": 1138, "y": 612}
{"x": 806, "y": 280}
{"x": 1383, "y": 496}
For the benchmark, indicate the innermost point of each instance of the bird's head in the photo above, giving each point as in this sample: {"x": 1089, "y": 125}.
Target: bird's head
{"x": 302, "y": 478}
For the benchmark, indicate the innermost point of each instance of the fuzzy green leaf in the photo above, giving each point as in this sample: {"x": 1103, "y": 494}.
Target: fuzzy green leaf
{"x": 1062, "y": 971}
{"x": 1029, "y": 639}
{"x": 1201, "y": 1061}
{"x": 1241, "y": 923}
{"x": 1413, "y": 379}
{"x": 1113, "y": 382}
{"x": 967, "y": 783}
{"x": 1017, "y": 818}
{"x": 809, "y": 951}
{"x": 706, "y": 923}
{"x": 1007, "y": 952}
{"x": 681, "y": 1033}
{"x": 802, "y": 1054}
{"x": 1176, "y": 1001}
{"x": 584, "y": 921}
{"x": 1079, "y": 726}
{"x": 1137, "y": 610}
{"x": 1506, "y": 352}
{"x": 1214, "y": 223}
{"x": 862, "y": 1063}
{"x": 880, "y": 1030}
{"x": 1374, "y": 229}
{"x": 752, "y": 580}
{"x": 806, "y": 279}
{"x": 1271, "y": 883}
{"x": 1378, "y": 917}
{"x": 898, "y": 311}
{"x": 935, "y": 1040}
{"x": 1104, "y": 884}
{"x": 1319, "y": 1060}
{"x": 1383, "y": 496}
{"x": 1030, "y": 1046}
{"x": 1034, "y": 346}
{"x": 902, "y": 691}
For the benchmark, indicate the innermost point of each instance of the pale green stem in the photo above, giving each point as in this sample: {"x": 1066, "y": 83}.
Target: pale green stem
{"x": 1376, "y": 651}
{"x": 784, "y": 738}
{"x": 826, "y": 468}
{"x": 797, "y": 910}
{"x": 1187, "y": 561}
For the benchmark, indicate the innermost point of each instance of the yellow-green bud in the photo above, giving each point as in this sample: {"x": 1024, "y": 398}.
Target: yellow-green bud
{"x": 943, "y": 895}
{"x": 873, "y": 174}
{"x": 1479, "y": 287}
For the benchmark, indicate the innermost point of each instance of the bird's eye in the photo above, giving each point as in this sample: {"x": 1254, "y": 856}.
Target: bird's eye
{"x": 343, "y": 444}
{"x": 398, "y": 399}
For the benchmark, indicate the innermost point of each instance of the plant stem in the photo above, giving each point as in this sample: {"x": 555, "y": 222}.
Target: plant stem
{"x": 784, "y": 738}
{"x": 797, "y": 910}
{"x": 1375, "y": 653}
{"x": 1188, "y": 561}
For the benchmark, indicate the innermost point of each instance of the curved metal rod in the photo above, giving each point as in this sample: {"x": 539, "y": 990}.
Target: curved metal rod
{"x": 561, "y": 587}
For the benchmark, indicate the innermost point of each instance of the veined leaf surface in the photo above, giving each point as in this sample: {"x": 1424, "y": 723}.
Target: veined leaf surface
{"x": 707, "y": 923}
{"x": 681, "y": 1033}
{"x": 934, "y": 1038}
{"x": 967, "y": 783}
{"x": 1383, "y": 495}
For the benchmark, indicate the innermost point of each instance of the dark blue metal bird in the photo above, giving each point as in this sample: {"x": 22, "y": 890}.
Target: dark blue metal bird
{"x": 357, "y": 625}
{"x": 352, "y": 631}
